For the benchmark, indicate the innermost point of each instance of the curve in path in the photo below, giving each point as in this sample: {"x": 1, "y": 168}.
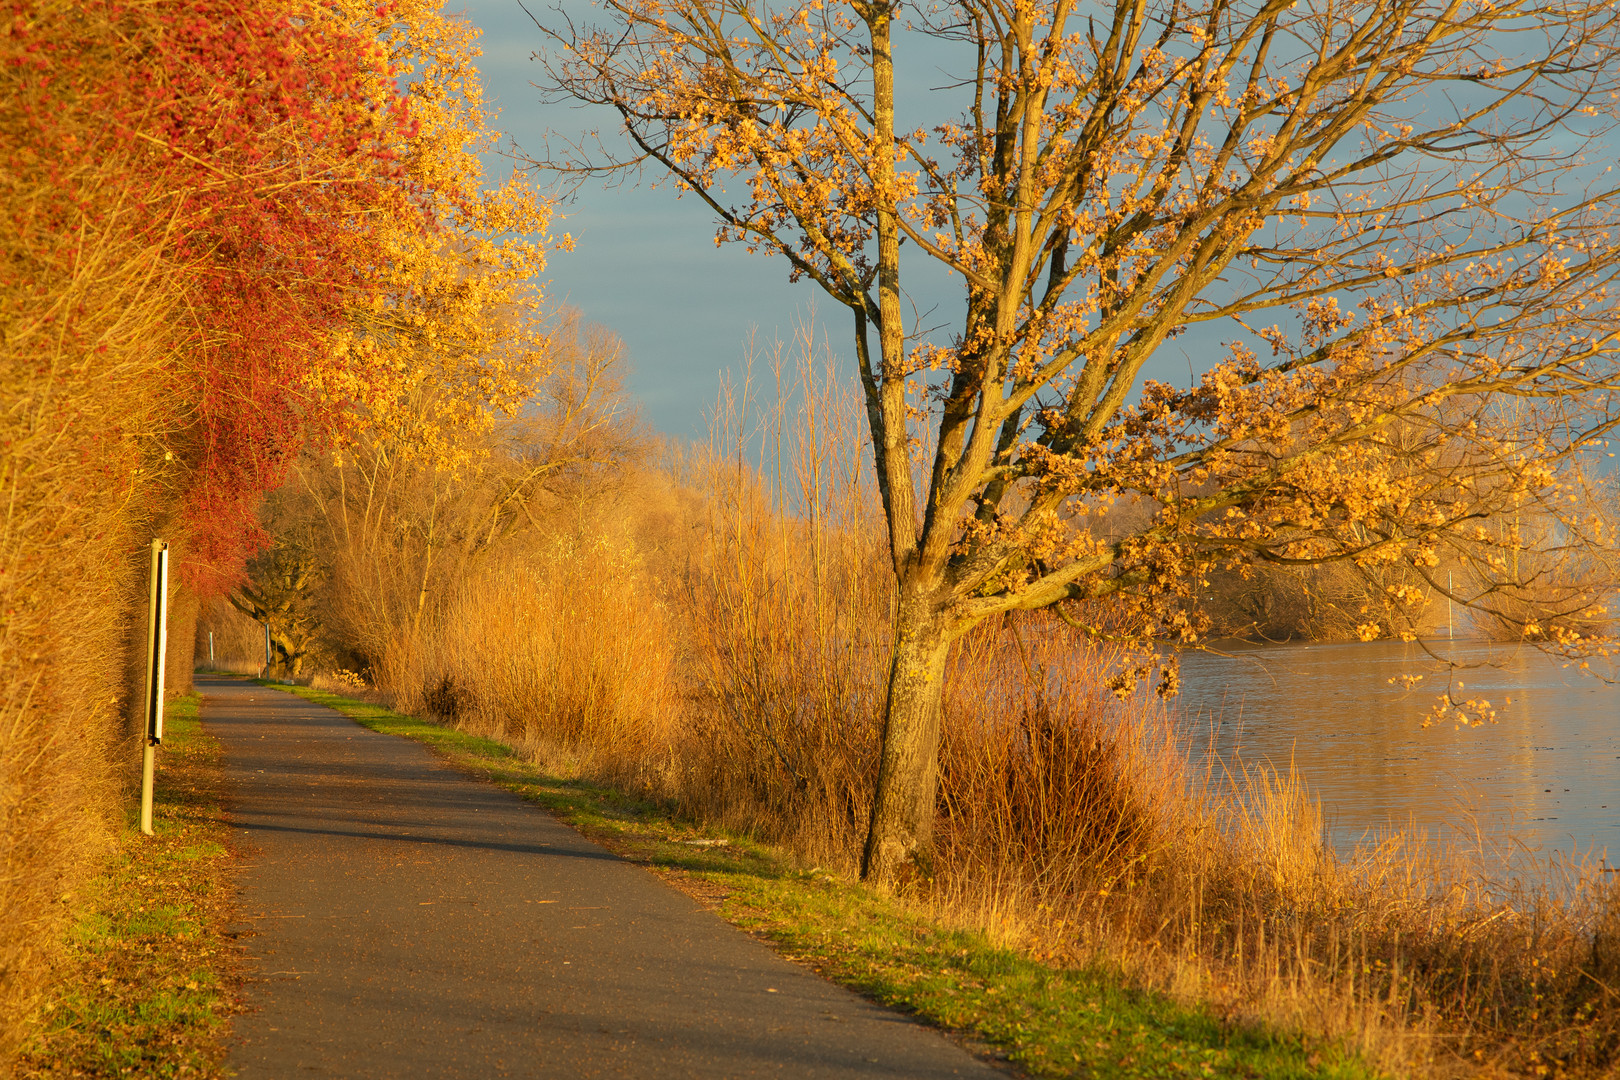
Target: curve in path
{"x": 408, "y": 921}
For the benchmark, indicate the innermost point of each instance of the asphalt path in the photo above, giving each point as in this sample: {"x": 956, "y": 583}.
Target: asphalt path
{"x": 405, "y": 920}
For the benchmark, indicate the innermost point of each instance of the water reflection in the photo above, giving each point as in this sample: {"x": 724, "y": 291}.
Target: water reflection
{"x": 1547, "y": 772}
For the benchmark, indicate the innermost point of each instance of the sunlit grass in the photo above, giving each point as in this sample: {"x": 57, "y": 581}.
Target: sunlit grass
{"x": 143, "y": 985}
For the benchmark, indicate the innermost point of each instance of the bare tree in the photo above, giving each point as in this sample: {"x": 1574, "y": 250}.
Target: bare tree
{"x": 1386, "y": 205}
{"x": 279, "y": 590}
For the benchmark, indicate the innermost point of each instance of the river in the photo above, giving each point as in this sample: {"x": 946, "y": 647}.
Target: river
{"x": 1545, "y": 776}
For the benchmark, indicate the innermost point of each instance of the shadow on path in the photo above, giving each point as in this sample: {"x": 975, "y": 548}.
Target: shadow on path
{"x": 408, "y": 921}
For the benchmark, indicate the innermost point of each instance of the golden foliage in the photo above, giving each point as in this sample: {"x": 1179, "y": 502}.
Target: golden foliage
{"x": 456, "y": 319}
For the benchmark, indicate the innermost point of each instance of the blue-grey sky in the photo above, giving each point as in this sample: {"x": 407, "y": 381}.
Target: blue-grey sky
{"x": 645, "y": 264}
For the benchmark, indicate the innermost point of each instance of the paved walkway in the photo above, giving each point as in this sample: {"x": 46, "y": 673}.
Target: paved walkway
{"x": 410, "y": 922}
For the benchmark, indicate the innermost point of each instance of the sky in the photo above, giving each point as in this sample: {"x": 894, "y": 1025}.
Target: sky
{"x": 645, "y": 263}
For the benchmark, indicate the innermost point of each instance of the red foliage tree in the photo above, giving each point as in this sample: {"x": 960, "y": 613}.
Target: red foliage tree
{"x": 190, "y": 199}
{"x": 262, "y": 141}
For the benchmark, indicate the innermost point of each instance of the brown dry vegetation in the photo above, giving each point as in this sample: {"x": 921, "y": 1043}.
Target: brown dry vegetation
{"x": 1550, "y": 583}
{"x": 1556, "y": 586}
{"x": 1321, "y": 603}
{"x": 71, "y": 561}
{"x": 711, "y": 627}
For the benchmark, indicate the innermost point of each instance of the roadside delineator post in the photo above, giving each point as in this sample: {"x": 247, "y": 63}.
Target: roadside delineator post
{"x": 157, "y": 639}
{"x": 1451, "y": 631}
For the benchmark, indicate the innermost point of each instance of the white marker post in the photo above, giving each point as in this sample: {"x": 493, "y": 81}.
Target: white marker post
{"x": 1451, "y": 631}
{"x": 267, "y": 649}
{"x": 157, "y": 640}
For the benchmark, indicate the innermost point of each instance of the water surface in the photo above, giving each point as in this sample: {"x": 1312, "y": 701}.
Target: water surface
{"x": 1547, "y": 772}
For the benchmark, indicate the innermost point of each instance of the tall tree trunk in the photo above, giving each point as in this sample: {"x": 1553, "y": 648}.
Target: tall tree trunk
{"x": 899, "y": 841}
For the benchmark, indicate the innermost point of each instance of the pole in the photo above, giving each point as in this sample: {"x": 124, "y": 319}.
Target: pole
{"x": 1450, "y": 632}
{"x": 210, "y": 648}
{"x": 148, "y": 777}
{"x": 157, "y": 640}
{"x": 267, "y": 649}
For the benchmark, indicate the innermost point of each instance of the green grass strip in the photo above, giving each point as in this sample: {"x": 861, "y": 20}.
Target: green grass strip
{"x": 143, "y": 985}
{"x": 1048, "y": 1021}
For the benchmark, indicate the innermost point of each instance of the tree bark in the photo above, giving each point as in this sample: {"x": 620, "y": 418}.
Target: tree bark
{"x": 899, "y": 841}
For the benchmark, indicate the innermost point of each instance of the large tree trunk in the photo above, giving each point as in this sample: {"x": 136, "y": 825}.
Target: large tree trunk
{"x": 899, "y": 842}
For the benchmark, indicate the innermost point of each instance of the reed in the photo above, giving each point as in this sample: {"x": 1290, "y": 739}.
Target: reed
{"x": 563, "y": 654}
{"x": 1075, "y": 826}
{"x": 787, "y": 606}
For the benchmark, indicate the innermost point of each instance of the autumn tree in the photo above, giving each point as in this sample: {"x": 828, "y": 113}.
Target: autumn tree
{"x": 453, "y": 316}
{"x": 1384, "y": 211}
{"x": 281, "y": 583}
{"x": 371, "y": 539}
{"x": 446, "y": 339}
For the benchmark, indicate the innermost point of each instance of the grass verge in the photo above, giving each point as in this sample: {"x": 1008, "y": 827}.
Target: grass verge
{"x": 142, "y": 988}
{"x": 1046, "y": 1021}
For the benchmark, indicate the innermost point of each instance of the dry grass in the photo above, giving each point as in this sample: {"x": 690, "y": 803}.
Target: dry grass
{"x": 1074, "y": 824}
